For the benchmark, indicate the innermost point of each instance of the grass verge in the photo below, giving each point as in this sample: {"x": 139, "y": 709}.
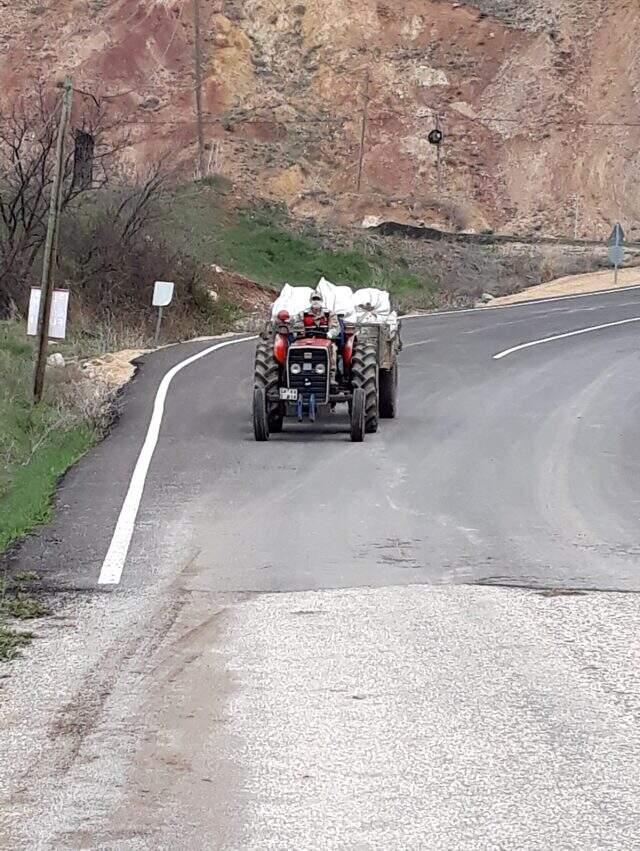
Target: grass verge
{"x": 37, "y": 445}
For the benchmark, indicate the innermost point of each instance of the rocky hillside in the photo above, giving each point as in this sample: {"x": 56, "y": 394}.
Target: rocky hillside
{"x": 528, "y": 92}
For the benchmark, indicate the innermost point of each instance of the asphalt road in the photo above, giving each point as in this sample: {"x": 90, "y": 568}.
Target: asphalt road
{"x": 299, "y": 654}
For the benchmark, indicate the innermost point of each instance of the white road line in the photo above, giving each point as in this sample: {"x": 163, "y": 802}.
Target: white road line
{"x": 419, "y": 343}
{"x": 532, "y": 343}
{"x": 116, "y": 557}
{"x": 488, "y": 309}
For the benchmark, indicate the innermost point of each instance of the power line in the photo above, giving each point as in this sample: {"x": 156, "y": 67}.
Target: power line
{"x": 378, "y": 116}
{"x": 498, "y": 119}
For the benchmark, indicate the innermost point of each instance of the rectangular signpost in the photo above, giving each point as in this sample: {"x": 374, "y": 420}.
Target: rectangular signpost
{"x": 162, "y": 295}
{"x": 57, "y": 315}
{"x": 616, "y": 250}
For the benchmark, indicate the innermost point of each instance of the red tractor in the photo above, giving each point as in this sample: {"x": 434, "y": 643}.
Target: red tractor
{"x": 293, "y": 375}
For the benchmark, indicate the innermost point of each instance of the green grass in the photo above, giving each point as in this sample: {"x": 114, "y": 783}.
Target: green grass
{"x": 36, "y": 445}
{"x": 23, "y": 607}
{"x": 268, "y": 254}
{"x": 262, "y": 246}
{"x": 11, "y": 641}
{"x": 16, "y": 604}
{"x": 29, "y": 489}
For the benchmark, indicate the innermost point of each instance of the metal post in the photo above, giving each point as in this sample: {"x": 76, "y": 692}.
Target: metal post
{"x": 48, "y": 260}
{"x": 158, "y": 323}
{"x": 575, "y": 221}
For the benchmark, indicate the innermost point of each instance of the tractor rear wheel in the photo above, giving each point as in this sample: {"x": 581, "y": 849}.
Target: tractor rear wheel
{"x": 358, "y": 415}
{"x": 266, "y": 377}
{"x": 364, "y": 375}
{"x": 260, "y": 418}
{"x": 389, "y": 392}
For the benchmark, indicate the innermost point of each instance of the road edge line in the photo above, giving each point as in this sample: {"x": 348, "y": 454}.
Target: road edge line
{"x": 114, "y": 561}
{"x": 564, "y": 336}
{"x": 489, "y": 308}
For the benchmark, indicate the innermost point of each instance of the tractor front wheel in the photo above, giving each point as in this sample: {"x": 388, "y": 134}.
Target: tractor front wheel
{"x": 260, "y": 417}
{"x": 358, "y": 415}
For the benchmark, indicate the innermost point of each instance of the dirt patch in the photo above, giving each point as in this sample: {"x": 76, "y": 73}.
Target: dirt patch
{"x": 237, "y": 290}
{"x": 113, "y": 369}
{"x": 573, "y": 285}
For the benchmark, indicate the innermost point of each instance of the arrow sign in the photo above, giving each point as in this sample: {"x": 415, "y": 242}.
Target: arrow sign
{"x": 617, "y": 235}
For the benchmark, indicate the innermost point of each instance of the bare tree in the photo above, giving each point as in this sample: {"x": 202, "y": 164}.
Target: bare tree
{"x": 27, "y": 153}
{"x": 101, "y": 240}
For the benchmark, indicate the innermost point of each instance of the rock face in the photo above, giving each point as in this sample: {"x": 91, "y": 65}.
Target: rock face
{"x": 526, "y": 92}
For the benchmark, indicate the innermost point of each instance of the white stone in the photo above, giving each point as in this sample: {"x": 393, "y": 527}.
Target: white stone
{"x": 427, "y": 76}
{"x": 372, "y": 221}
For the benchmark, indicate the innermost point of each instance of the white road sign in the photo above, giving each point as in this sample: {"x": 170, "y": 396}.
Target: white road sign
{"x": 616, "y": 255}
{"x": 162, "y": 293}
{"x": 57, "y": 317}
{"x": 617, "y": 235}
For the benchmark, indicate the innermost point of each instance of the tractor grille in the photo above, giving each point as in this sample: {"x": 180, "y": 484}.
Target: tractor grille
{"x": 307, "y": 381}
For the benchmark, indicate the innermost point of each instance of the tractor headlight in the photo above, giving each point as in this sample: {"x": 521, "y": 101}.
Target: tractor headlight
{"x": 295, "y": 369}
{"x": 321, "y": 368}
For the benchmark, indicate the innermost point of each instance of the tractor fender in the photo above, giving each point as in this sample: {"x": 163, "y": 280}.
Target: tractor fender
{"x": 280, "y": 346}
{"x": 347, "y": 352}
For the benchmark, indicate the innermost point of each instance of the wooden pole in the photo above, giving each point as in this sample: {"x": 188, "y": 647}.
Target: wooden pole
{"x": 363, "y": 135}
{"x": 48, "y": 260}
{"x": 198, "y": 84}
{"x": 438, "y": 159}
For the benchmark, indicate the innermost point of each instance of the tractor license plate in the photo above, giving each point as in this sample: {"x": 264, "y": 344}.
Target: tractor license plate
{"x": 289, "y": 394}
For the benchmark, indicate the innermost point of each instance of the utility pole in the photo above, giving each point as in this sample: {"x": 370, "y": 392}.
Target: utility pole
{"x": 363, "y": 136}
{"x": 438, "y": 157}
{"x": 50, "y": 246}
{"x": 198, "y": 83}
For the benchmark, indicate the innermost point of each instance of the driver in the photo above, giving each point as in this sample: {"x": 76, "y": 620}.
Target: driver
{"x": 316, "y": 318}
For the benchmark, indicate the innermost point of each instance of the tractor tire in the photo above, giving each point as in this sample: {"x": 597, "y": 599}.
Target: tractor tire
{"x": 266, "y": 377}
{"x": 267, "y": 370}
{"x": 260, "y": 417}
{"x": 364, "y": 375}
{"x": 358, "y": 415}
{"x": 388, "y": 382}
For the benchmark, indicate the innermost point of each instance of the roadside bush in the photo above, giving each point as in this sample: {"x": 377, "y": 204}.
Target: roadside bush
{"x": 112, "y": 257}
